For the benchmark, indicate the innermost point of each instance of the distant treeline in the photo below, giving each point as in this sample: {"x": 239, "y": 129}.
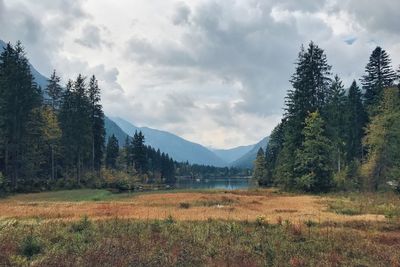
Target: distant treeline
{"x": 333, "y": 138}
{"x": 54, "y": 137}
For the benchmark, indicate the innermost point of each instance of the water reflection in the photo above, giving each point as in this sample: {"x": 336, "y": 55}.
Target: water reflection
{"x": 220, "y": 183}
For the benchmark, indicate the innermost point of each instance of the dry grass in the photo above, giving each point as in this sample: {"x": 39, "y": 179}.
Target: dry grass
{"x": 236, "y": 205}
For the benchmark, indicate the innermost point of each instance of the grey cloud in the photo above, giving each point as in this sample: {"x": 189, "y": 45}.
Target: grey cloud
{"x": 376, "y": 15}
{"x": 40, "y": 25}
{"x": 182, "y": 14}
{"x": 224, "y": 64}
{"x": 225, "y": 47}
{"x": 92, "y": 37}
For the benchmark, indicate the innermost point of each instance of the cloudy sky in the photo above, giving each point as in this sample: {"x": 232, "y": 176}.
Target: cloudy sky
{"x": 212, "y": 71}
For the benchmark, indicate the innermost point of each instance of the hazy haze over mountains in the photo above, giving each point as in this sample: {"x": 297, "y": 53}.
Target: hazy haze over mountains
{"x": 182, "y": 150}
{"x": 178, "y": 148}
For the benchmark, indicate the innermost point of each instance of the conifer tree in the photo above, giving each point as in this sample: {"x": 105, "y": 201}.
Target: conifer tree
{"x": 334, "y": 115}
{"x": 19, "y": 98}
{"x": 54, "y": 91}
{"x": 378, "y": 75}
{"x": 97, "y": 124}
{"x": 356, "y": 119}
{"x": 310, "y": 83}
{"x": 313, "y": 157}
{"x": 112, "y": 152}
{"x": 272, "y": 152}
{"x": 128, "y": 153}
{"x": 259, "y": 173}
{"x": 76, "y": 126}
{"x": 139, "y": 152}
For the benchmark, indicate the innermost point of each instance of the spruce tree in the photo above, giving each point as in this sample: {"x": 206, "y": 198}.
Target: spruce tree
{"x": 54, "y": 91}
{"x": 20, "y": 98}
{"x": 272, "y": 152}
{"x": 112, "y": 152}
{"x": 334, "y": 115}
{"x": 310, "y": 84}
{"x": 259, "y": 173}
{"x": 378, "y": 75}
{"x": 76, "y": 127}
{"x": 313, "y": 158}
{"x": 97, "y": 124}
{"x": 356, "y": 119}
{"x": 128, "y": 153}
{"x": 139, "y": 154}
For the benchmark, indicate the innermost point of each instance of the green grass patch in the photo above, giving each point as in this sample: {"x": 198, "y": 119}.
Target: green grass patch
{"x": 386, "y": 204}
{"x": 77, "y": 195}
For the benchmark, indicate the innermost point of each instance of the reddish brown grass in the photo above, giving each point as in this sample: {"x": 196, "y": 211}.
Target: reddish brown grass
{"x": 237, "y": 205}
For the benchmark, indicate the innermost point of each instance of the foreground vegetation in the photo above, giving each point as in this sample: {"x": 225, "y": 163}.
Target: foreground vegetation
{"x": 199, "y": 228}
{"x": 119, "y": 242}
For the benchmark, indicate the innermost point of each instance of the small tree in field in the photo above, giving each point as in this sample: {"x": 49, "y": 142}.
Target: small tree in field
{"x": 260, "y": 172}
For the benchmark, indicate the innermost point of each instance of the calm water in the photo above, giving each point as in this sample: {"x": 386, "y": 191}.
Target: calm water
{"x": 224, "y": 183}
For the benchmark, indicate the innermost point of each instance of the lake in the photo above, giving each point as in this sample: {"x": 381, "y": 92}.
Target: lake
{"x": 220, "y": 183}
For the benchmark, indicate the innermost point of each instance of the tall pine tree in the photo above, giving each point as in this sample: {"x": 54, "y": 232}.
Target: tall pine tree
{"x": 356, "y": 119}
{"x": 54, "y": 91}
{"x": 334, "y": 115}
{"x": 20, "y": 98}
{"x": 310, "y": 83}
{"x": 378, "y": 75}
{"x": 112, "y": 152}
{"x": 97, "y": 124}
{"x": 139, "y": 154}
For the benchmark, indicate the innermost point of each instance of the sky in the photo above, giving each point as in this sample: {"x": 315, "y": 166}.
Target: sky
{"x": 215, "y": 72}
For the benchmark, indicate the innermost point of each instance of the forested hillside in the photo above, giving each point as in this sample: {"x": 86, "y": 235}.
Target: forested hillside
{"x": 335, "y": 139}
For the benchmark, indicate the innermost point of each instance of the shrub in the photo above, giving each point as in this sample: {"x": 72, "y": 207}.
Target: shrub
{"x": 30, "y": 246}
{"x": 82, "y": 225}
{"x": 261, "y": 221}
{"x": 170, "y": 220}
{"x": 184, "y": 205}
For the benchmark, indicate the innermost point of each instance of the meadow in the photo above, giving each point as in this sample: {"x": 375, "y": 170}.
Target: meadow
{"x": 199, "y": 228}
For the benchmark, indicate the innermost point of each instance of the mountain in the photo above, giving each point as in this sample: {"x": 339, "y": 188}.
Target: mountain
{"x": 246, "y": 161}
{"x": 178, "y": 148}
{"x": 233, "y": 154}
{"x": 113, "y": 129}
{"x": 39, "y": 78}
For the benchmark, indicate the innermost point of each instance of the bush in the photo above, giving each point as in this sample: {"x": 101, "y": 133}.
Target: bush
{"x": 30, "y": 246}
{"x": 184, "y": 205}
{"x": 119, "y": 180}
{"x": 82, "y": 225}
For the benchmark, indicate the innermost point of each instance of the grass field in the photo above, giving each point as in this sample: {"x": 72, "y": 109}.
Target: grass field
{"x": 199, "y": 228}
{"x": 201, "y": 205}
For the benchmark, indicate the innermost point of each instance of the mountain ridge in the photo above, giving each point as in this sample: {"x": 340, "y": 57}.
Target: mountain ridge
{"x": 247, "y": 160}
{"x": 177, "y": 147}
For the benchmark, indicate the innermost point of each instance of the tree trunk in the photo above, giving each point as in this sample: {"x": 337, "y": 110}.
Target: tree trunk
{"x": 52, "y": 162}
